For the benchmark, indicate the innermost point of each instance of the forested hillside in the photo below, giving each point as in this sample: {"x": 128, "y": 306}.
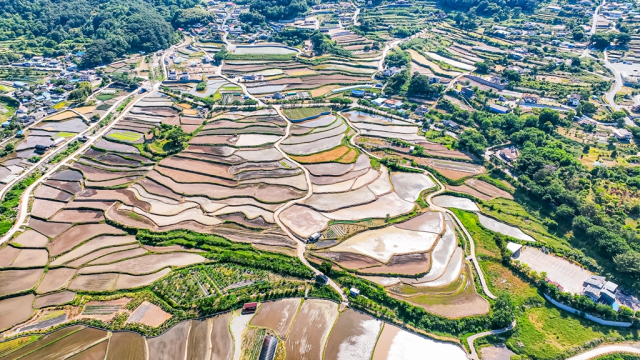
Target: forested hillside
{"x": 104, "y": 30}
{"x": 281, "y": 9}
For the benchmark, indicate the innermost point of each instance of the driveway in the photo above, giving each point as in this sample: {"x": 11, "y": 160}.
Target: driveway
{"x": 570, "y": 276}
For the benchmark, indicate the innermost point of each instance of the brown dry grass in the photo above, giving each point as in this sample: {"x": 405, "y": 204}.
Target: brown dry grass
{"x": 62, "y": 116}
{"x": 349, "y": 157}
{"x": 322, "y": 90}
{"x": 327, "y": 156}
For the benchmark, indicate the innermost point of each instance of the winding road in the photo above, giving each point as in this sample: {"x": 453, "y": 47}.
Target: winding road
{"x": 471, "y": 339}
{"x": 606, "y": 349}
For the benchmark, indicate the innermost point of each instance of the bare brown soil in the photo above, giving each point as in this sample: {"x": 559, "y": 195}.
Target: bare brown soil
{"x": 197, "y": 342}
{"x": 46, "y": 192}
{"x": 221, "y": 340}
{"x": 328, "y": 180}
{"x": 126, "y": 346}
{"x": 55, "y": 279}
{"x": 31, "y": 258}
{"x": 233, "y": 159}
{"x": 349, "y": 157}
{"x": 67, "y": 175}
{"x": 72, "y": 187}
{"x": 190, "y": 177}
{"x": 96, "y": 352}
{"x": 45, "y": 208}
{"x": 201, "y": 167}
{"x": 75, "y": 342}
{"x": 349, "y": 260}
{"x": 409, "y": 264}
{"x": 94, "y": 174}
{"x": 344, "y": 331}
{"x": 311, "y": 329}
{"x": 54, "y": 299}
{"x": 211, "y": 140}
{"x": 117, "y": 256}
{"x": 15, "y": 310}
{"x": 467, "y": 190}
{"x": 79, "y": 234}
{"x": 123, "y": 195}
{"x": 277, "y": 315}
{"x": 241, "y": 219}
{"x": 89, "y": 205}
{"x": 110, "y": 183}
{"x": 98, "y": 282}
{"x": 488, "y": 189}
{"x": 96, "y": 254}
{"x": 79, "y": 216}
{"x": 46, "y": 339}
{"x": 132, "y": 281}
{"x": 327, "y": 156}
{"x": 48, "y": 228}
{"x": 170, "y": 345}
{"x": 384, "y": 342}
{"x": 145, "y": 264}
{"x": 7, "y": 255}
{"x": 271, "y": 237}
{"x": 30, "y": 239}
{"x": 155, "y": 188}
{"x": 14, "y": 281}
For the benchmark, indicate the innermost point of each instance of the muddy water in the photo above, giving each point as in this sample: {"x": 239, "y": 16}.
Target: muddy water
{"x": 353, "y": 337}
{"x": 277, "y": 315}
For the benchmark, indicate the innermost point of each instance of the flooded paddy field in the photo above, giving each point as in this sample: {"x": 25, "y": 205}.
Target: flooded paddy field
{"x": 353, "y": 337}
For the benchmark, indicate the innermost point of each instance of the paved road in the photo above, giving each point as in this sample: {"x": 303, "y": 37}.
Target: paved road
{"x": 471, "y": 339}
{"x": 23, "y": 209}
{"x": 617, "y": 86}
{"x": 276, "y": 214}
{"x": 472, "y": 249}
{"x": 606, "y": 349}
{"x": 595, "y": 18}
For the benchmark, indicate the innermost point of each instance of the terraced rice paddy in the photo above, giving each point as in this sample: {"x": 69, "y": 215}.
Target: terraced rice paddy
{"x": 502, "y": 228}
{"x": 277, "y": 315}
{"x": 311, "y": 329}
{"x": 15, "y": 310}
{"x": 395, "y": 344}
{"x": 455, "y": 202}
{"x": 354, "y": 337}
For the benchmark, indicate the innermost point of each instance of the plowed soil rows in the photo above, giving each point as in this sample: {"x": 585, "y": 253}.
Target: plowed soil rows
{"x": 14, "y": 281}
{"x": 46, "y": 192}
{"x": 145, "y": 264}
{"x": 31, "y": 238}
{"x": 79, "y": 216}
{"x": 100, "y": 242}
{"x": 78, "y": 234}
{"x": 277, "y": 315}
{"x": 353, "y": 337}
{"x": 198, "y": 339}
{"x": 75, "y": 342}
{"x": 126, "y": 346}
{"x": 62, "y": 297}
{"x": 112, "y": 281}
{"x": 464, "y": 189}
{"x": 170, "y": 345}
{"x": 45, "y": 208}
{"x": 96, "y": 352}
{"x": 311, "y": 329}
{"x": 55, "y": 279}
{"x": 15, "y": 310}
{"x": 488, "y": 189}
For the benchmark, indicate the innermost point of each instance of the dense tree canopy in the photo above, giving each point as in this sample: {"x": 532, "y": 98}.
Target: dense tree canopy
{"x": 103, "y": 29}
{"x": 280, "y": 9}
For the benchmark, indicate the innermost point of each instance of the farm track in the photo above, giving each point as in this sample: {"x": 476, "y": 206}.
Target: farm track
{"x": 24, "y": 201}
{"x": 276, "y": 214}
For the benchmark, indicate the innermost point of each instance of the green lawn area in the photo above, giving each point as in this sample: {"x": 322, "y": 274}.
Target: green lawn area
{"x": 543, "y": 331}
{"x": 231, "y": 88}
{"x": 105, "y": 97}
{"x": 125, "y": 136}
{"x": 65, "y": 134}
{"x": 6, "y": 89}
{"x": 304, "y": 112}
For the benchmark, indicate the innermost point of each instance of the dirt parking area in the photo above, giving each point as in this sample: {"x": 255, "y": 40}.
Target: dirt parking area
{"x": 568, "y": 275}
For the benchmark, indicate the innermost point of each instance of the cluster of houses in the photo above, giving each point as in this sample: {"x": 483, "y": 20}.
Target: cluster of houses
{"x": 178, "y": 76}
{"x": 598, "y": 289}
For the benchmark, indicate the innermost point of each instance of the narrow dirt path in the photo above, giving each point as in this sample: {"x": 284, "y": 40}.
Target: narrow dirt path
{"x": 433, "y": 206}
{"x": 471, "y": 339}
{"x": 276, "y": 214}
